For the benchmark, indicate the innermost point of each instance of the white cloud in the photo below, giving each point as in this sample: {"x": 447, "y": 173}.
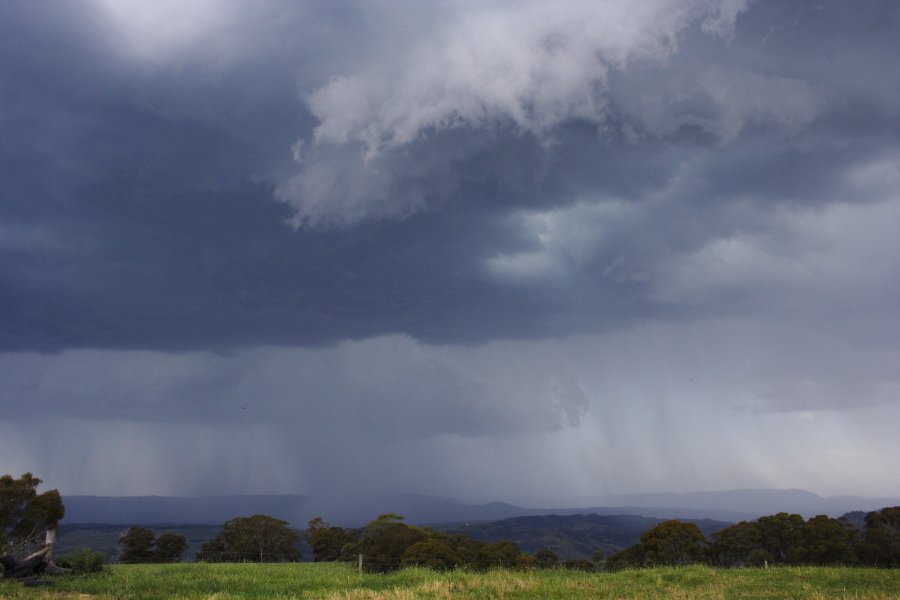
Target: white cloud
{"x": 807, "y": 259}
{"x": 741, "y": 97}
{"x": 532, "y": 66}
{"x": 213, "y": 34}
{"x": 165, "y": 29}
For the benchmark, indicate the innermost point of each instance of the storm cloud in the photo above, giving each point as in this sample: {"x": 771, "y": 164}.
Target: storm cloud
{"x": 375, "y": 243}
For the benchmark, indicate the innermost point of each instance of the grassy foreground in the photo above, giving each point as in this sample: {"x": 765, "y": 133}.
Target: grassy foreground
{"x": 339, "y": 581}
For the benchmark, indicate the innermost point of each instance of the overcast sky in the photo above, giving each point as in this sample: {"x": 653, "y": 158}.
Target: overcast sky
{"x": 529, "y": 251}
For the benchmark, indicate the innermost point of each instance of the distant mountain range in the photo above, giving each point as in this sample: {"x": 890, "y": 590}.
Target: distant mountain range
{"x": 354, "y": 511}
{"x": 572, "y": 536}
{"x": 346, "y": 511}
{"x": 752, "y": 503}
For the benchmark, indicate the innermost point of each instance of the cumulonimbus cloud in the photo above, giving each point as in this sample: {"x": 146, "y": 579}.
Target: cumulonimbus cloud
{"x": 529, "y": 68}
{"x": 537, "y": 65}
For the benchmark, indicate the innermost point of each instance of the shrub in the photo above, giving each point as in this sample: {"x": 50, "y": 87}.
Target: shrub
{"x": 433, "y": 554}
{"x": 546, "y": 558}
{"x": 526, "y": 562}
{"x": 578, "y": 565}
{"x": 170, "y": 547}
{"x": 82, "y": 561}
{"x": 498, "y": 554}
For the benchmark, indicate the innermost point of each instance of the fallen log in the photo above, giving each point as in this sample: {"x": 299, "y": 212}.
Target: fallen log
{"x": 28, "y": 567}
{"x": 6, "y": 563}
{"x": 34, "y": 563}
{"x": 55, "y": 569}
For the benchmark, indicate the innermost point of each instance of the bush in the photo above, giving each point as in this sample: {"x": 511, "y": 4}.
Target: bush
{"x": 137, "y": 545}
{"x": 578, "y": 565}
{"x": 526, "y": 562}
{"x": 383, "y": 547}
{"x": 169, "y": 548}
{"x": 546, "y": 558}
{"x": 433, "y": 554}
{"x": 82, "y": 561}
{"x": 498, "y": 554}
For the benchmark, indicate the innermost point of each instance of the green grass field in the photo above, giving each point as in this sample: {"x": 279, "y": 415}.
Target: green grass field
{"x": 332, "y": 580}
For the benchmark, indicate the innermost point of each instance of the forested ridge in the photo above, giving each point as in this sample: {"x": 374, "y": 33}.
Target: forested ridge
{"x": 781, "y": 539}
{"x": 388, "y": 543}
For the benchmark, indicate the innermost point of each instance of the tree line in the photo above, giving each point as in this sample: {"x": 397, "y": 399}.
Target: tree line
{"x": 781, "y": 539}
{"x": 387, "y": 543}
{"x": 785, "y": 539}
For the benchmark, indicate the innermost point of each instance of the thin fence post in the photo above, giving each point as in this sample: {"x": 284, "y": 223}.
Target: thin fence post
{"x": 360, "y": 563}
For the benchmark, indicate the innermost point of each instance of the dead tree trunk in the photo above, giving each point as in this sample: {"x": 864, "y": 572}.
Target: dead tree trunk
{"x": 33, "y": 564}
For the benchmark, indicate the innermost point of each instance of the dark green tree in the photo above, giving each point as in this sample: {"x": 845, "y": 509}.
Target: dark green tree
{"x": 259, "y": 538}
{"x": 880, "y": 544}
{"x": 384, "y": 542}
{"x": 382, "y": 522}
{"x": 466, "y": 548}
{"x": 137, "y": 546}
{"x": 170, "y": 547}
{"x": 546, "y": 558}
{"x": 673, "y": 543}
{"x": 499, "y": 554}
{"x": 737, "y": 545}
{"x": 669, "y": 543}
{"x": 628, "y": 558}
{"x": 578, "y": 564}
{"x": 781, "y": 538}
{"x": 215, "y": 550}
{"x": 430, "y": 553}
{"x": 786, "y": 539}
{"x": 25, "y": 514}
{"x": 326, "y": 541}
{"x": 825, "y": 541}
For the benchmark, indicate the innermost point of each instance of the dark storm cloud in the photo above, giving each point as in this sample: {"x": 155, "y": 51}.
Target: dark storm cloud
{"x": 482, "y": 249}
{"x": 139, "y": 168}
{"x": 389, "y": 388}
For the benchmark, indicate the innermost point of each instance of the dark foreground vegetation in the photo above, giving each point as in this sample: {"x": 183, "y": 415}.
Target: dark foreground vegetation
{"x": 387, "y": 544}
{"x": 781, "y": 539}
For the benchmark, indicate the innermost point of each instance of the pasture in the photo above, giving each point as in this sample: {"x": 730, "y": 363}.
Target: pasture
{"x": 198, "y": 581}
